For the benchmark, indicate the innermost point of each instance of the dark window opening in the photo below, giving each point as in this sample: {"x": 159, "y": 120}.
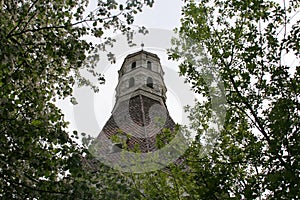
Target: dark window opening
{"x": 150, "y": 82}
{"x": 131, "y": 82}
{"x": 149, "y": 65}
{"x": 133, "y": 65}
{"x": 120, "y": 142}
{"x": 116, "y": 148}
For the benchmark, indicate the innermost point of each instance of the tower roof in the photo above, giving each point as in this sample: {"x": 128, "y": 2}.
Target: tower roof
{"x": 147, "y": 53}
{"x": 142, "y": 52}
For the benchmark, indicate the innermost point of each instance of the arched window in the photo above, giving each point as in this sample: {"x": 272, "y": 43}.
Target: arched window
{"x": 133, "y": 65}
{"x": 150, "y": 82}
{"x": 131, "y": 82}
{"x": 149, "y": 65}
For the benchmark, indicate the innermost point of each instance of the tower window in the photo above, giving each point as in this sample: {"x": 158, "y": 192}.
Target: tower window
{"x": 149, "y": 65}
{"x": 133, "y": 65}
{"x": 150, "y": 82}
{"x": 131, "y": 82}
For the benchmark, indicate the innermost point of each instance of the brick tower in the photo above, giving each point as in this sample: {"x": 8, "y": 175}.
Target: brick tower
{"x": 140, "y": 113}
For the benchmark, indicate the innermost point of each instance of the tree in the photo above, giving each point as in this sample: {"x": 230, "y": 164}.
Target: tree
{"x": 256, "y": 155}
{"x": 42, "y": 53}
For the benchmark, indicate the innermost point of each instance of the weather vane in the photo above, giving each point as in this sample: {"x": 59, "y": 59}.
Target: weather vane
{"x": 142, "y": 45}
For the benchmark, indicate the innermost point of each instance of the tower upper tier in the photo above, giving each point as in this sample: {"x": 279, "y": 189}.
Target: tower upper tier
{"x": 141, "y": 73}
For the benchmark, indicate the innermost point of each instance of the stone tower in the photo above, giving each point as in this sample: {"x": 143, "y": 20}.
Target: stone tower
{"x": 140, "y": 113}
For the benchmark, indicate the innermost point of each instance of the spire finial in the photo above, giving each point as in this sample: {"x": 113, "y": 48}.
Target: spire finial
{"x": 142, "y": 45}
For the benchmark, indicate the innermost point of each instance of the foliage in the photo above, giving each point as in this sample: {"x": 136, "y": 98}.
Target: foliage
{"x": 256, "y": 155}
{"x": 42, "y": 53}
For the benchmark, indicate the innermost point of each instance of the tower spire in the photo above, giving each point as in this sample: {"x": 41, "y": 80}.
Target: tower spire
{"x": 142, "y": 45}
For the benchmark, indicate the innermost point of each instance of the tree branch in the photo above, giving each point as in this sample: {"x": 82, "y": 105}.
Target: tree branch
{"x": 32, "y": 188}
{"x": 60, "y": 26}
{"x": 21, "y": 20}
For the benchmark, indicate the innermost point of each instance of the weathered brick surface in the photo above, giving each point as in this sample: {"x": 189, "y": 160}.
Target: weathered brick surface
{"x": 141, "y": 127}
{"x": 139, "y": 115}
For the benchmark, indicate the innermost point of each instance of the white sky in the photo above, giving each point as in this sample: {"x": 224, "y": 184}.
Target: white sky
{"x": 164, "y": 14}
